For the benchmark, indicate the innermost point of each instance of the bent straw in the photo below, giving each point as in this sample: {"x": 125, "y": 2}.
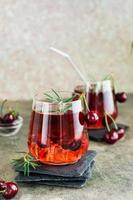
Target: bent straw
{"x": 71, "y": 61}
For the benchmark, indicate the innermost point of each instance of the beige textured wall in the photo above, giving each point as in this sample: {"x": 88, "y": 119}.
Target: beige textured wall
{"x": 97, "y": 34}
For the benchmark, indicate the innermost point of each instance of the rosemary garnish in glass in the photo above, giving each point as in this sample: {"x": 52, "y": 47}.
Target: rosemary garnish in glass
{"x": 55, "y": 97}
{"x": 27, "y": 162}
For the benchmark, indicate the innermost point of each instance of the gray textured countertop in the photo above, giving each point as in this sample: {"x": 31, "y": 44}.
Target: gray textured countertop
{"x": 112, "y": 177}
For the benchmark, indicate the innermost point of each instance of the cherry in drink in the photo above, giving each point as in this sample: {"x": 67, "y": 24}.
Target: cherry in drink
{"x": 56, "y": 135}
{"x": 101, "y": 99}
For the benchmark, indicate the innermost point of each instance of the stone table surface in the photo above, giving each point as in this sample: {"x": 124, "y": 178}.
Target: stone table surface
{"x": 112, "y": 177}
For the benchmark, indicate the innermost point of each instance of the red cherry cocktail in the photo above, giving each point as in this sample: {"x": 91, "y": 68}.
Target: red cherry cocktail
{"x": 56, "y": 135}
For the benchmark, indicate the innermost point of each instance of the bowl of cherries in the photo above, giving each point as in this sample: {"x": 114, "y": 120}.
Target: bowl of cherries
{"x": 10, "y": 121}
{"x": 8, "y": 190}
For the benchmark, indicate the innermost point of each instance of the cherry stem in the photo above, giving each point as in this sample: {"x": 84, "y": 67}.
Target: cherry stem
{"x": 2, "y": 106}
{"x": 106, "y": 122}
{"x": 85, "y": 102}
{"x": 115, "y": 125}
{"x": 2, "y": 191}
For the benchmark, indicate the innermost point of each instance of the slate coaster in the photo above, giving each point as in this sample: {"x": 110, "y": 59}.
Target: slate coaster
{"x": 69, "y": 184}
{"x": 73, "y": 170}
{"x": 44, "y": 177}
{"x": 98, "y": 134}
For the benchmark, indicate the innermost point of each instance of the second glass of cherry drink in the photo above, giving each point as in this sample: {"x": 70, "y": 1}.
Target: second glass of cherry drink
{"x": 100, "y": 97}
{"x": 56, "y": 135}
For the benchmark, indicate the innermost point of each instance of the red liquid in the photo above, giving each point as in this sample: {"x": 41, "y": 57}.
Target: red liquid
{"x": 57, "y": 138}
{"x": 101, "y": 102}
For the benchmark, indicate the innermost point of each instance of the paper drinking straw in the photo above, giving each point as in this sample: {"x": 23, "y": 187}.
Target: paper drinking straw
{"x": 71, "y": 61}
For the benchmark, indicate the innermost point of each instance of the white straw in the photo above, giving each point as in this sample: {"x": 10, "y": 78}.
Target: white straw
{"x": 71, "y": 61}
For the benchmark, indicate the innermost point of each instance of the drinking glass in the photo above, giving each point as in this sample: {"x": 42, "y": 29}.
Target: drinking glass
{"x": 100, "y": 96}
{"x": 56, "y": 135}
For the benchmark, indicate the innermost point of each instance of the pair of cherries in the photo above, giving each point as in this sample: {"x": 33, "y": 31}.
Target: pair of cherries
{"x": 8, "y": 189}
{"x": 113, "y": 135}
{"x": 8, "y": 117}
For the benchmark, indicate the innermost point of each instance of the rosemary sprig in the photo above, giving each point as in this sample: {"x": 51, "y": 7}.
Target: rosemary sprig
{"x": 55, "y": 97}
{"x": 50, "y": 98}
{"x": 58, "y": 97}
{"x": 27, "y": 162}
{"x": 67, "y": 100}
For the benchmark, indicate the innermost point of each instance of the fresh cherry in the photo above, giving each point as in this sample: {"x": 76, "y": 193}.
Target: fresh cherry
{"x": 91, "y": 118}
{"x": 11, "y": 190}
{"x": 121, "y": 132}
{"x": 81, "y": 118}
{"x": 111, "y": 137}
{"x": 121, "y": 97}
{"x": 8, "y": 118}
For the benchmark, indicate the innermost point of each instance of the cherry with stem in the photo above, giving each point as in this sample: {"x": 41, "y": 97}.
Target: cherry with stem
{"x": 8, "y": 189}
{"x": 91, "y": 117}
{"x": 107, "y": 124}
{"x": 112, "y": 135}
{"x": 9, "y": 117}
{"x": 121, "y": 97}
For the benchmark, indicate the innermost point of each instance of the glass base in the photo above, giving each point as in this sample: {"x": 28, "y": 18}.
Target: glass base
{"x": 57, "y": 154}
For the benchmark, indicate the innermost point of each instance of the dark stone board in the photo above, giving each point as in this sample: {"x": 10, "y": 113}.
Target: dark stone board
{"x": 74, "y": 170}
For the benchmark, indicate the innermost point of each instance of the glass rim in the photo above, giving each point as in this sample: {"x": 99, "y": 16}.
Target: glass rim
{"x": 36, "y": 98}
{"x": 88, "y": 83}
{"x": 99, "y": 82}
